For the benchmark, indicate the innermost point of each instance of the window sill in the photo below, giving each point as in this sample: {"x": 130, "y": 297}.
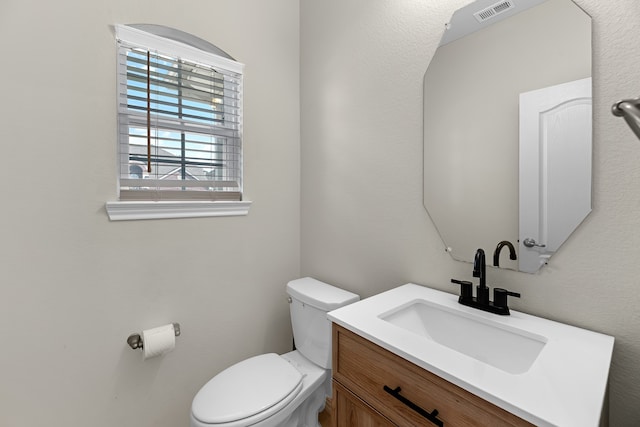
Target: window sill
{"x": 126, "y": 211}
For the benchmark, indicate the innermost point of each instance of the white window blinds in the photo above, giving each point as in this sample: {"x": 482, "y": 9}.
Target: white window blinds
{"x": 179, "y": 120}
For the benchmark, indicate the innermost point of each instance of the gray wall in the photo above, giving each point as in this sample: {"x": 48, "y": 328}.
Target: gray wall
{"x": 363, "y": 224}
{"x": 73, "y": 285}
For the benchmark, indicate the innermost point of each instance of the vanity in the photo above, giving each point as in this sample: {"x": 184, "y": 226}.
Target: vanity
{"x": 414, "y": 356}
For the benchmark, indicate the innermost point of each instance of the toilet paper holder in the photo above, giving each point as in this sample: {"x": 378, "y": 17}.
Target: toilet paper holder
{"x": 135, "y": 341}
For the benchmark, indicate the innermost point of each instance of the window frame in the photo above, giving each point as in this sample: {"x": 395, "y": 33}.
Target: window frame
{"x": 184, "y": 207}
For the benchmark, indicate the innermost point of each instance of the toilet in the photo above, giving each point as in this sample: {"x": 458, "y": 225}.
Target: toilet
{"x": 272, "y": 390}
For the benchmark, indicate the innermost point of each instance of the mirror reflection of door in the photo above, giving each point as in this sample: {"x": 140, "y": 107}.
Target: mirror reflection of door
{"x": 471, "y": 118}
{"x": 555, "y": 168}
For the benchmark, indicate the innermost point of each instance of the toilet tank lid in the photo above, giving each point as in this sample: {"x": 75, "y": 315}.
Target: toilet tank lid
{"x": 319, "y": 294}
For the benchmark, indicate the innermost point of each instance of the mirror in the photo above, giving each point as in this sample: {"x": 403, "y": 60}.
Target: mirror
{"x": 507, "y": 129}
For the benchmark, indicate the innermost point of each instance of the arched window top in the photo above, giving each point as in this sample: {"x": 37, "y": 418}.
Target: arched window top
{"x": 181, "y": 37}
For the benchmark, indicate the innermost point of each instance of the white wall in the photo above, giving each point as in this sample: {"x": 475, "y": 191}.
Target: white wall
{"x": 73, "y": 285}
{"x": 363, "y": 224}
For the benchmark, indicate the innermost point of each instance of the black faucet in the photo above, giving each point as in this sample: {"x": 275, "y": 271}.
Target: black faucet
{"x": 480, "y": 271}
{"x": 481, "y": 300}
{"x": 496, "y": 253}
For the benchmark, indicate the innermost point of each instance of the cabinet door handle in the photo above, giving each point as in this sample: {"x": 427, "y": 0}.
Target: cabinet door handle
{"x": 431, "y": 416}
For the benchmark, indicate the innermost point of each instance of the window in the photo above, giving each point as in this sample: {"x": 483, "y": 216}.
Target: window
{"x": 179, "y": 120}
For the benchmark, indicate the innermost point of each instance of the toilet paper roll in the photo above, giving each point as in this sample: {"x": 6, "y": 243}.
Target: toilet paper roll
{"x": 158, "y": 341}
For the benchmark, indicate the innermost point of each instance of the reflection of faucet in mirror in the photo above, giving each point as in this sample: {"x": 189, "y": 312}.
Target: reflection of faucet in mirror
{"x": 496, "y": 253}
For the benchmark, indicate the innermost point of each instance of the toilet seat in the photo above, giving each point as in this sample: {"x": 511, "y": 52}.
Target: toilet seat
{"x": 247, "y": 392}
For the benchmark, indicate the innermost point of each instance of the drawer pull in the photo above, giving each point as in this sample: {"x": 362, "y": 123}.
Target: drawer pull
{"x": 431, "y": 416}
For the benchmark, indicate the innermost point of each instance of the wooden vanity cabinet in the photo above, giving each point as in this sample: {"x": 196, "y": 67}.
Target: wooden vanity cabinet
{"x": 352, "y": 411}
{"x": 373, "y": 387}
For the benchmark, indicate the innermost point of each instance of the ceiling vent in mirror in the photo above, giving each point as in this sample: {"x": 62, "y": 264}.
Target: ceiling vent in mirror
{"x": 494, "y": 10}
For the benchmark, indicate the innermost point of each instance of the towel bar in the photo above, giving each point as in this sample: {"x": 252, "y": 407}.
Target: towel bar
{"x": 630, "y": 110}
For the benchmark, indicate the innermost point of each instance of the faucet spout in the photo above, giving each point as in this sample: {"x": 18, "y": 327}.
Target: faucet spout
{"x": 480, "y": 271}
{"x": 496, "y": 253}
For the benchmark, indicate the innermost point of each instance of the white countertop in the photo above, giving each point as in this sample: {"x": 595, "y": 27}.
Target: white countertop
{"x": 565, "y": 386}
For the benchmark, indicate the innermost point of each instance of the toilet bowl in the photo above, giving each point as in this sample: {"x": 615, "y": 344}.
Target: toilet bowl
{"x": 271, "y": 390}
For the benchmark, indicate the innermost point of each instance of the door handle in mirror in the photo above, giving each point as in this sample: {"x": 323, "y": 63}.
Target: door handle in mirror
{"x": 530, "y": 243}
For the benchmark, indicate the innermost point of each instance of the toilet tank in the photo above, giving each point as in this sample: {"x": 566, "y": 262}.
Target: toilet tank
{"x": 310, "y": 302}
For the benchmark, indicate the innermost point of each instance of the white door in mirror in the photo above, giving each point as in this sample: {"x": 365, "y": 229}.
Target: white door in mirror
{"x": 555, "y": 168}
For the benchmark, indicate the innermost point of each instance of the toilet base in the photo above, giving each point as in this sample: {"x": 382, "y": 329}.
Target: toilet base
{"x": 315, "y": 389}
{"x": 305, "y": 415}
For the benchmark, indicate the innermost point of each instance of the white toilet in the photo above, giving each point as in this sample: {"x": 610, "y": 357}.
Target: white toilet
{"x": 272, "y": 390}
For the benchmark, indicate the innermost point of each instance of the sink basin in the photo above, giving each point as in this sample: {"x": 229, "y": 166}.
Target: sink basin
{"x": 509, "y": 349}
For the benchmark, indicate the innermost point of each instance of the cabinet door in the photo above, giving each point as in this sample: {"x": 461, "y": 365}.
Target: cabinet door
{"x": 350, "y": 411}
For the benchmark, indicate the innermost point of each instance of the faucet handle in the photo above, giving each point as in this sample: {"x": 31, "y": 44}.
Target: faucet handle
{"x": 466, "y": 289}
{"x": 500, "y": 297}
